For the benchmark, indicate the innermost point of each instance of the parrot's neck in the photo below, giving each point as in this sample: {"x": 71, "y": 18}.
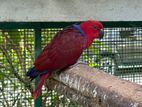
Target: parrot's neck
{"x": 89, "y": 40}
{"x": 82, "y": 33}
{"x": 80, "y": 30}
{"x": 90, "y": 34}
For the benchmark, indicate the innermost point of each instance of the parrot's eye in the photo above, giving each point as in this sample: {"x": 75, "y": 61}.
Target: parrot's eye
{"x": 94, "y": 27}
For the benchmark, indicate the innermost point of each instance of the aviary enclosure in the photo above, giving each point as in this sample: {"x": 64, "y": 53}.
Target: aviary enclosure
{"x": 119, "y": 53}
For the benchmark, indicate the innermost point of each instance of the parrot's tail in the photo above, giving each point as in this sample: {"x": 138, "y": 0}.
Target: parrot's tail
{"x": 33, "y": 73}
{"x": 41, "y": 81}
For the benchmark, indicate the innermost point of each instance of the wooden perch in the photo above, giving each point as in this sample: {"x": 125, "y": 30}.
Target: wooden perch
{"x": 90, "y": 87}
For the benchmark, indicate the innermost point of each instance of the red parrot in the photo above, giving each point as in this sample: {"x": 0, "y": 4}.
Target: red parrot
{"x": 64, "y": 50}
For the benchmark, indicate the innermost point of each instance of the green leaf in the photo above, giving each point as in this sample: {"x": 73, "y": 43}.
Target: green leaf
{"x": 15, "y": 35}
{"x": 19, "y": 104}
{"x": 90, "y": 61}
{"x": 2, "y": 39}
{"x": 100, "y": 44}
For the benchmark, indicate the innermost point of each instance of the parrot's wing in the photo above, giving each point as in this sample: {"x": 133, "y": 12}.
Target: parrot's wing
{"x": 64, "y": 50}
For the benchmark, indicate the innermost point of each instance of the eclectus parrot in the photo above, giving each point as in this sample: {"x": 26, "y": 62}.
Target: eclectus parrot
{"x": 64, "y": 50}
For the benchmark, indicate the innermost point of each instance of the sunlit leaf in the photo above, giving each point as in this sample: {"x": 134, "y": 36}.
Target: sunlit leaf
{"x": 15, "y": 35}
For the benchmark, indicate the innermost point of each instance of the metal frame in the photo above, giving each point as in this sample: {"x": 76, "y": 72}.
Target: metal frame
{"x": 34, "y": 25}
{"x": 38, "y": 101}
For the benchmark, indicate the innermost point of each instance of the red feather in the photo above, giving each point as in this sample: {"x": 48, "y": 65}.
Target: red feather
{"x": 64, "y": 50}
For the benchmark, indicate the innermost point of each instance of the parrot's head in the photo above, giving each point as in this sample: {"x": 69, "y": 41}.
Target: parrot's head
{"x": 93, "y": 30}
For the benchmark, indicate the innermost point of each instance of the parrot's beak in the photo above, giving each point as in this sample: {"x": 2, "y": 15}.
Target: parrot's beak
{"x": 101, "y": 35}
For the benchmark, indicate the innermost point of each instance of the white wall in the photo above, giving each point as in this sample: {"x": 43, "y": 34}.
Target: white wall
{"x": 70, "y": 10}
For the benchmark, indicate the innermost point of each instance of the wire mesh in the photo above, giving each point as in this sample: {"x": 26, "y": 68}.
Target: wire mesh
{"x": 125, "y": 55}
{"x": 16, "y": 56}
{"x": 119, "y": 53}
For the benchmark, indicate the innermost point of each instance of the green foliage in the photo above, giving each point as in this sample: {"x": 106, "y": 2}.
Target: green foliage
{"x": 2, "y": 39}
{"x": 15, "y": 35}
{"x": 12, "y": 67}
{"x": 19, "y": 104}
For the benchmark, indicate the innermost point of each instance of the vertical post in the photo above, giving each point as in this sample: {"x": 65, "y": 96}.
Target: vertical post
{"x": 38, "y": 101}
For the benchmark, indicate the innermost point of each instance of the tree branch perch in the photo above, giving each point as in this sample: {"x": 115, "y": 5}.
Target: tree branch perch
{"x": 91, "y": 87}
